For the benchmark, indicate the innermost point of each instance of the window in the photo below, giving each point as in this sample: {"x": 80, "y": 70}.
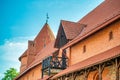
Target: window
{"x": 27, "y": 77}
{"x": 110, "y": 35}
{"x": 84, "y": 48}
{"x": 33, "y": 45}
{"x": 44, "y": 42}
{"x": 33, "y": 74}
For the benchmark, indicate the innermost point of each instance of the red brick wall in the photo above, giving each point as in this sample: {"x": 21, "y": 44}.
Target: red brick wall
{"x": 97, "y": 43}
{"x": 33, "y": 74}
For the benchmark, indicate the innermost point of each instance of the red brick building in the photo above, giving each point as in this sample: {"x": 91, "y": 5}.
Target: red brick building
{"x": 85, "y": 50}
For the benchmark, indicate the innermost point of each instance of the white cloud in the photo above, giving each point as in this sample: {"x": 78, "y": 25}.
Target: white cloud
{"x": 10, "y": 52}
{"x": 1, "y": 75}
{"x": 14, "y": 47}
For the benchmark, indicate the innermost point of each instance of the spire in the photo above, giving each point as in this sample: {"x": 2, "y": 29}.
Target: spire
{"x": 47, "y": 17}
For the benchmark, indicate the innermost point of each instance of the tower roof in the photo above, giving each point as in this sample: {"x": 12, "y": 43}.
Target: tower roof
{"x": 44, "y": 37}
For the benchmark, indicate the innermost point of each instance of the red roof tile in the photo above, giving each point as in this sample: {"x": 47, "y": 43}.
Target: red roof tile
{"x": 101, "y": 16}
{"x": 91, "y": 61}
{"x": 105, "y": 11}
{"x": 45, "y": 35}
{"x": 72, "y": 29}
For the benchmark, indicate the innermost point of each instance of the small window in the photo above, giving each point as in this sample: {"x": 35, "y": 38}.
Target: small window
{"x": 84, "y": 48}
{"x": 33, "y": 45}
{"x": 62, "y": 36}
{"x": 44, "y": 42}
{"x": 44, "y": 45}
{"x": 110, "y": 35}
{"x": 33, "y": 74}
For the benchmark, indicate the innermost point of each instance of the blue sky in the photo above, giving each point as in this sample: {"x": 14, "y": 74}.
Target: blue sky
{"x": 21, "y": 20}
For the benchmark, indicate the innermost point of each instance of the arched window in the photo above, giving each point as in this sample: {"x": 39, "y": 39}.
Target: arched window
{"x": 33, "y": 74}
{"x": 44, "y": 42}
{"x": 96, "y": 76}
{"x": 84, "y": 48}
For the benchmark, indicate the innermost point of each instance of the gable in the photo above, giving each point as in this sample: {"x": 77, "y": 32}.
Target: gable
{"x": 61, "y": 38}
{"x": 68, "y": 31}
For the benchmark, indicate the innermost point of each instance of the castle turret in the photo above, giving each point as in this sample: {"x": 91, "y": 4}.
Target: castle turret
{"x": 23, "y": 60}
{"x": 44, "y": 37}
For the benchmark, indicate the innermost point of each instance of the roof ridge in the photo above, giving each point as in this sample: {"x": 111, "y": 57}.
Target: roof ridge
{"x": 48, "y": 27}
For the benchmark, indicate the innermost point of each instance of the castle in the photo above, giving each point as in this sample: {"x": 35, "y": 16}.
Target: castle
{"x": 85, "y": 50}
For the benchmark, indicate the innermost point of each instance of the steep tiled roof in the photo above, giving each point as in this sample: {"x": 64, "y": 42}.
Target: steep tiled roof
{"x": 72, "y": 29}
{"x": 45, "y": 33}
{"x": 44, "y": 36}
{"x": 91, "y": 61}
{"x": 97, "y": 19}
{"x": 104, "y": 12}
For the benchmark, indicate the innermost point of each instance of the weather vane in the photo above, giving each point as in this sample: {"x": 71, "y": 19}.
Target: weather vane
{"x": 47, "y": 17}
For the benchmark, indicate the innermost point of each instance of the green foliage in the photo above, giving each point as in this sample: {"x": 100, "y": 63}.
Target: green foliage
{"x": 10, "y": 74}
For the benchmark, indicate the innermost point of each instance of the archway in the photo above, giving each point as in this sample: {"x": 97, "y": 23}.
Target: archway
{"x": 96, "y": 76}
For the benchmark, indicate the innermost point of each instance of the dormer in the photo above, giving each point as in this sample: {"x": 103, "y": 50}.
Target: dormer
{"x": 67, "y": 31}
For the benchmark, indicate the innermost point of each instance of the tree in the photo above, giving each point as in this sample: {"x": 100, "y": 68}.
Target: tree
{"x": 10, "y": 74}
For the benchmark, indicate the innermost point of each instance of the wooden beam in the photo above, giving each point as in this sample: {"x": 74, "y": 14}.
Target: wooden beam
{"x": 118, "y": 62}
{"x": 42, "y": 74}
{"x": 119, "y": 67}
{"x": 100, "y": 69}
{"x": 100, "y": 72}
{"x": 116, "y": 69}
{"x": 49, "y": 72}
{"x": 86, "y": 73}
{"x": 61, "y": 78}
{"x": 74, "y": 76}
